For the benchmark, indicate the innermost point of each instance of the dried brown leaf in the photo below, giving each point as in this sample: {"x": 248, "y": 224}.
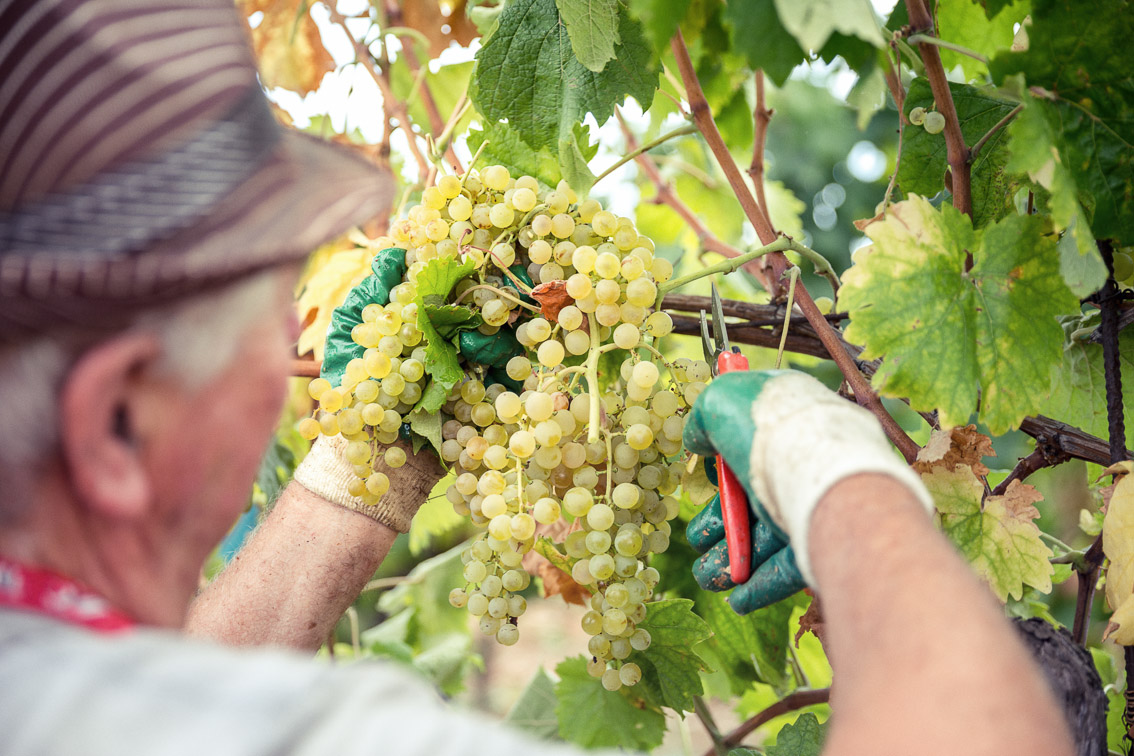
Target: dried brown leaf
{"x": 289, "y": 49}
{"x": 812, "y": 620}
{"x": 552, "y": 297}
{"x": 962, "y": 445}
{"x": 442, "y": 23}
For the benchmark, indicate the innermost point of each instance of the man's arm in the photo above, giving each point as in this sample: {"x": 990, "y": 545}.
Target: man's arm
{"x": 305, "y": 564}
{"x": 924, "y": 659}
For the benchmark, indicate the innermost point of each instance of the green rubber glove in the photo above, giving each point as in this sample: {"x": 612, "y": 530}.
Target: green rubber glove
{"x": 389, "y": 267}
{"x": 775, "y": 574}
{"x": 789, "y": 439}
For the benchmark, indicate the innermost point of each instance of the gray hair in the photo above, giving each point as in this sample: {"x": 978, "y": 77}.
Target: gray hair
{"x": 199, "y": 337}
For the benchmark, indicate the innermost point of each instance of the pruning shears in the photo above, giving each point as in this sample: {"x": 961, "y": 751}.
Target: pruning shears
{"x": 724, "y": 358}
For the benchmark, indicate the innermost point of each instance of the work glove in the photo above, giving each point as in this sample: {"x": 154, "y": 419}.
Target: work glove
{"x": 326, "y": 473}
{"x": 389, "y": 266}
{"x": 789, "y": 440}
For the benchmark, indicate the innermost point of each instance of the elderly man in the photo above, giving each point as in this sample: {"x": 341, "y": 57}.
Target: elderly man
{"x": 152, "y": 218}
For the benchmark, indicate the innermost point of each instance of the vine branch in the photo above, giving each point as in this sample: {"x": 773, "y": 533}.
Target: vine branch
{"x": 703, "y": 117}
{"x": 957, "y": 152}
{"x": 680, "y": 131}
{"x": 381, "y": 78}
{"x": 794, "y": 701}
{"x": 929, "y": 39}
{"x": 991, "y": 132}
{"x": 667, "y": 196}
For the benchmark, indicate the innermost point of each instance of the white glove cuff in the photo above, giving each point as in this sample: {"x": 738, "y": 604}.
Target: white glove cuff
{"x": 326, "y": 473}
{"x": 807, "y": 440}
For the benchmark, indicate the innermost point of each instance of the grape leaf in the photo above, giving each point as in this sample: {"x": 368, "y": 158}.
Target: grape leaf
{"x": 534, "y": 710}
{"x": 573, "y": 164}
{"x": 1078, "y": 395}
{"x": 592, "y": 27}
{"x": 670, "y": 666}
{"x": 812, "y": 22}
{"x": 426, "y": 423}
{"x": 527, "y": 73}
{"x": 289, "y": 49}
{"x": 752, "y": 647}
{"x": 962, "y": 445}
{"x": 659, "y": 18}
{"x": 434, "y": 283}
{"x": 505, "y": 147}
{"x": 449, "y": 320}
{"x": 1033, "y": 149}
{"x": 944, "y": 332}
{"x": 924, "y": 155}
{"x": 966, "y": 24}
{"x": 803, "y": 737}
{"x": 593, "y": 717}
{"x": 1079, "y": 52}
{"x": 999, "y": 539}
{"x": 758, "y": 34}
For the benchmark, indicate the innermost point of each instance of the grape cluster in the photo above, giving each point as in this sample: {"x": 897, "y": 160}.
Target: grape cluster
{"x": 599, "y": 457}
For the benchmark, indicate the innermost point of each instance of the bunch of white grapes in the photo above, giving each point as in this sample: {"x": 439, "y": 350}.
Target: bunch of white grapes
{"x": 603, "y": 454}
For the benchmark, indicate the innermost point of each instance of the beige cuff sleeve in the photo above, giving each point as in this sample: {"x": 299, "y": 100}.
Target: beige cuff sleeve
{"x": 326, "y": 473}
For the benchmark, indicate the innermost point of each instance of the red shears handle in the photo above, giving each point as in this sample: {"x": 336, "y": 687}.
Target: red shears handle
{"x": 734, "y": 501}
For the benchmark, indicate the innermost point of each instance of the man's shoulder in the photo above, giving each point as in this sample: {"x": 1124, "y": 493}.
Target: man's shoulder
{"x": 63, "y": 686}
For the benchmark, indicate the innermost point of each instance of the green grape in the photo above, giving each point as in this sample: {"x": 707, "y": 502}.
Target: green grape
{"x": 934, "y": 122}
{"x": 917, "y": 116}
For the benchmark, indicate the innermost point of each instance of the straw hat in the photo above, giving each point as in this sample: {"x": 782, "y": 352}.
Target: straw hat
{"x": 139, "y": 162}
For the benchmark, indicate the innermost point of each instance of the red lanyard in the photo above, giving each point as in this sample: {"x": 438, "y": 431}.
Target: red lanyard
{"x": 45, "y": 592}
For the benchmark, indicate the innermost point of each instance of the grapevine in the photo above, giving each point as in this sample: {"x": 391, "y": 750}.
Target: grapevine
{"x": 551, "y": 439}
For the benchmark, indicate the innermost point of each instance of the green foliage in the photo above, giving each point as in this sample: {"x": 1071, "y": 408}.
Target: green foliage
{"x": 813, "y": 23}
{"x": 751, "y": 648}
{"x": 593, "y": 717}
{"x": 422, "y": 629}
{"x": 534, "y": 711}
{"x": 758, "y": 34}
{"x": 924, "y": 155}
{"x": 1079, "y": 53}
{"x": 592, "y": 26}
{"x": 671, "y": 666}
{"x": 966, "y": 24}
{"x": 1078, "y": 395}
{"x": 804, "y": 737}
{"x": 528, "y": 74}
{"x": 434, "y": 283}
{"x": 945, "y": 332}
{"x": 997, "y": 535}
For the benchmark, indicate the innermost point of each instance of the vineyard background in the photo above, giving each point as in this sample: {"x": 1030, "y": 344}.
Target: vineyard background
{"x": 808, "y": 104}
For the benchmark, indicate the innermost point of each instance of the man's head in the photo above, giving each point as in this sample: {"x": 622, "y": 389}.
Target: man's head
{"x": 152, "y": 215}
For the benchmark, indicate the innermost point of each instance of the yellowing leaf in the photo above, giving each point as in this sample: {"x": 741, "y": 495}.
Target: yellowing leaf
{"x": 289, "y": 50}
{"x": 945, "y": 333}
{"x": 331, "y": 277}
{"x": 1120, "y": 627}
{"x": 1118, "y": 543}
{"x": 1000, "y": 540}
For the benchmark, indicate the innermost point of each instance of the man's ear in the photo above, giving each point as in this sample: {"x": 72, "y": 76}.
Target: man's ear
{"x": 101, "y": 402}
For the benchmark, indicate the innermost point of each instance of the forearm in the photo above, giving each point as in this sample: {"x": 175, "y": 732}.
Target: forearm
{"x": 288, "y": 586}
{"x": 308, "y": 561}
{"x": 924, "y": 659}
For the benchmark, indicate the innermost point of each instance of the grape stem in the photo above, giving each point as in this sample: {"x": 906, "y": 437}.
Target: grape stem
{"x": 500, "y": 293}
{"x": 593, "y": 387}
{"x": 609, "y": 462}
{"x": 678, "y": 132}
{"x": 794, "y": 276}
{"x": 928, "y": 39}
{"x": 724, "y": 266}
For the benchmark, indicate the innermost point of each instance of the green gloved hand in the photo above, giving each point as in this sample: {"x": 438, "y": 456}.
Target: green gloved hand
{"x": 389, "y": 267}
{"x": 775, "y": 575}
{"x": 789, "y": 439}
